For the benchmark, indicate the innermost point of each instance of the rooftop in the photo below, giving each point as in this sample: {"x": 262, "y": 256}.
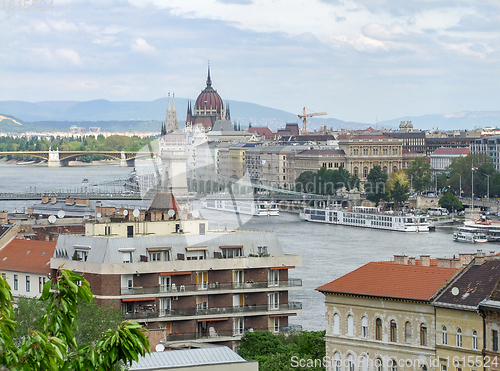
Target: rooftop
{"x": 388, "y": 279}
{"x": 30, "y": 256}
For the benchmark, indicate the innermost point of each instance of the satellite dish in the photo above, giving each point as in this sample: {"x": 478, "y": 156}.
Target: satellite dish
{"x": 160, "y": 348}
{"x": 171, "y": 212}
{"x": 52, "y": 219}
{"x": 99, "y": 215}
{"x": 125, "y": 212}
{"x": 61, "y": 214}
{"x": 196, "y": 213}
{"x": 136, "y": 213}
{"x": 454, "y": 291}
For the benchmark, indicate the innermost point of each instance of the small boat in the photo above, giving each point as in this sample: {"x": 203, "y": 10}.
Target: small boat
{"x": 367, "y": 217}
{"x": 469, "y": 235}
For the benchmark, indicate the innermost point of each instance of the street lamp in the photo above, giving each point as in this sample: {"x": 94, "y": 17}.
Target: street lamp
{"x": 411, "y": 182}
{"x": 488, "y": 187}
{"x": 460, "y": 186}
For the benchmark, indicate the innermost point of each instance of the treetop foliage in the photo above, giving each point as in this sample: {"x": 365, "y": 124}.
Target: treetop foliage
{"x": 54, "y": 346}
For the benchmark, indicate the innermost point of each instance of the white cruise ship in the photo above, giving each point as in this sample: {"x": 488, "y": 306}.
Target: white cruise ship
{"x": 470, "y": 235}
{"x": 367, "y": 217}
{"x": 250, "y": 207}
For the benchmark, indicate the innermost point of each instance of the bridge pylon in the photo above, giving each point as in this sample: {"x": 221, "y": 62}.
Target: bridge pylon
{"x": 53, "y": 160}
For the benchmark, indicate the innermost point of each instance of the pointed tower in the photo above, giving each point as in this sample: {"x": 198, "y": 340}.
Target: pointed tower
{"x": 171, "y": 123}
{"x": 189, "y": 117}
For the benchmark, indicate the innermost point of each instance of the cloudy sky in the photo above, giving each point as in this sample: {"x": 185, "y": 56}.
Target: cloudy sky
{"x": 359, "y": 60}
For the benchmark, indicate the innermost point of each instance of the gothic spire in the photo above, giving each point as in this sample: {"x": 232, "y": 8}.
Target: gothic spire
{"x": 209, "y": 80}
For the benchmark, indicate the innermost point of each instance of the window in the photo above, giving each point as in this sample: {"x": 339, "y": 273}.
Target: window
{"x": 378, "y": 364}
{"x": 238, "y": 326}
{"x": 273, "y": 278}
{"x": 165, "y": 305}
{"x": 444, "y": 367}
{"x": 336, "y": 324}
{"x": 459, "y": 337}
{"x": 41, "y": 282}
{"x": 378, "y": 329}
{"x": 273, "y": 301}
{"x": 444, "y": 336}
{"x": 495, "y": 340}
{"x": 365, "y": 151}
{"x": 231, "y": 253}
{"x": 355, "y": 171}
{"x": 375, "y": 151}
{"x": 81, "y": 255}
{"x": 16, "y": 282}
{"x": 165, "y": 282}
{"x": 155, "y": 256}
{"x": 394, "y": 365}
{"x": 262, "y": 250}
{"x": 394, "y": 331}
{"x": 364, "y": 327}
{"x": 27, "y": 283}
{"x": 350, "y": 325}
{"x": 238, "y": 278}
{"x": 474, "y": 340}
{"x": 423, "y": 334}
{"x": 365, "y": 172}
{"x": 350, "y": 360}
{"x": 202, "y": 280}
{"x": 408, "y": 332}
{"x": 127, "y": 256}
{"x": 337, "y": 362}
{"x": 384, "y": 151}
{"x": 276, "y": 324}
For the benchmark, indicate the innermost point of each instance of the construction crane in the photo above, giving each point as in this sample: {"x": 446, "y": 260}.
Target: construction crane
{"x": 304, "y": 120}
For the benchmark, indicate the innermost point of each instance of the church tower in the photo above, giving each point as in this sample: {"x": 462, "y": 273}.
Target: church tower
{"x": 171, "y": 124}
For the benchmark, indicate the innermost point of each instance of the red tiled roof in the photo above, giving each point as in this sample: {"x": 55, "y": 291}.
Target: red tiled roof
{"x": 27, "y": 256}
{"x": 451, "y": 151}
{"x": 262, "y": 131}
{"x": 391, "y": 280}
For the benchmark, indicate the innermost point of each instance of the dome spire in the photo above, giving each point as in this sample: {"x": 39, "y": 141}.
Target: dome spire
{"x": 209, "y": 80}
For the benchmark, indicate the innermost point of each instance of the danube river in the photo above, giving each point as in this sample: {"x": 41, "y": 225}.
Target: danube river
{"x": 327, "y": 251}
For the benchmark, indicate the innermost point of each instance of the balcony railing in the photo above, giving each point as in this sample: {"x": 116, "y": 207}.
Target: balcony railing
{"x": 292, "y": 282}
{"x": 293, "y": 305}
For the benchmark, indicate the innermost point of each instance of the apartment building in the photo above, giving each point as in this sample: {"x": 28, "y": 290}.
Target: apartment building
{"x": 381, "y": 313}
{"x": 167, "y": 270}
{"x": 442, "y": 157}
{"x": 490, "y": 146}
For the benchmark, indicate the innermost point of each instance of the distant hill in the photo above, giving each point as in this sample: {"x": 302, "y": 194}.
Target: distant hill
{"x": 148, "y": 115}
{"x": 139, "y": 116}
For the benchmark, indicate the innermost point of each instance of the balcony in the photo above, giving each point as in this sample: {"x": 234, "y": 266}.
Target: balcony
{"x": 245, "y": 310}
{"x": 214, "y": 286}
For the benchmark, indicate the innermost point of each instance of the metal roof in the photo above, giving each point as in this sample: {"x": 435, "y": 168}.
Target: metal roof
{"x": 109, "y": 249}
{"x": 187, "y": 358}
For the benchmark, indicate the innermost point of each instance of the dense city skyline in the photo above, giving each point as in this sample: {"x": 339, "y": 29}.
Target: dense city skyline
{"x": 358, "y": 60}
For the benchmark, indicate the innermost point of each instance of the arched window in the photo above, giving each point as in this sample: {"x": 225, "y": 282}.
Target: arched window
{"x": 384, "y": 169}
{"x": 364, "y": 327}
{"x": 355, "y": 171}
{"x": 350, "y": 325}
{"x": 379, "y": 365}
{"x": 336, "y": 358}
{"x": 350, "y": 360}
{"x": 394, "y": 331}
{"x": 423, "y": 334}
{"x": 378, "y": 329}
{"x": 474, "y": 340}
{"x": 393, "y": 364}
{"x": 394, "y": 169}
{"x": 364, "y": 363}
{"x": 444, "y": 336}
{"x": 336, "y": 324}
{"x": 365, "y": 172}
{"x": 408, "y": 332}
{"x": 459, "y": 337}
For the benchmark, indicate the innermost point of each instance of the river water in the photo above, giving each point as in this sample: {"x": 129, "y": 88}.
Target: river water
{"x": 327, "y": 251}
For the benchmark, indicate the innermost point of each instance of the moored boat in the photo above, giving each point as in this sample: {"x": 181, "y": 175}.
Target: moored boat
{"x": 469, "y": 235}
{"x": 368, "y": 217}
{"x": 247, "y": 207}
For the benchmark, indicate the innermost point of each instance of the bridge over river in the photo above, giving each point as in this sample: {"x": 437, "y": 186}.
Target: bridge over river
{"x": 62, "y": 158}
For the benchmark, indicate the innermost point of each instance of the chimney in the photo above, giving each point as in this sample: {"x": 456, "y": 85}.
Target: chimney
{"x": 411, "y": 261}
{"x": 479, "y": 256}
{"x": 456, "y": 263}
{"x": 425, "y": 260}
{"x": 70, "y": 201}
{"x": 492, "y": 253}
{"x": 82, "y": 201}
{"x": 400, "y": 259}
{"x": 444, "y": 263}
{"x": 465, "y": 259}
{"x": 45, "y": 199}
{"x": 53, "y": 199}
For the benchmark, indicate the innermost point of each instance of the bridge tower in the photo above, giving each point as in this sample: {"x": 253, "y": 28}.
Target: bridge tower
{"x": 173, "y": 155}
{"x": 53, "y": 160}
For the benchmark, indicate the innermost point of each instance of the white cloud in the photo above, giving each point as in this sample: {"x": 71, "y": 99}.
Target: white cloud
{"x": 70, "y": 56}
{"x": 141, "y": 46}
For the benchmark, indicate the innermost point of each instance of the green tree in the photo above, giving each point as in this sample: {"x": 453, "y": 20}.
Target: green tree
{"x": 451, "y": 202}
{"x": 54, "y": 346}
{"x": 375, "y": 185}
{"x": 399, "y": 193}
{"x": 461, "y": 168}
{"x": 420, "y": 173}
